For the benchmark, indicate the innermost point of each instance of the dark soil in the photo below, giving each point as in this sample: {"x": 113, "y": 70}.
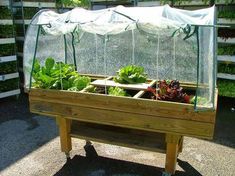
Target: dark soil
{"x": 226, "y": 33}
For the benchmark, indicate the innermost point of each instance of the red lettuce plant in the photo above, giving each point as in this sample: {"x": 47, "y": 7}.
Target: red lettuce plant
{"x": 170, "y": 91}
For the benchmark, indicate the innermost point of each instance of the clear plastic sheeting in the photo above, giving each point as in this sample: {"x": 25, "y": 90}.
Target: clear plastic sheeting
{"x": 169, "y": 43}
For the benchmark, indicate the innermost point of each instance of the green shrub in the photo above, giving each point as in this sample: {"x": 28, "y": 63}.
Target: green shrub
{"x": 226, "y": 88}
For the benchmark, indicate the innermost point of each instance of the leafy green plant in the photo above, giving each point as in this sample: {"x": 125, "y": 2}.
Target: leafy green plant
{"x": 116, "y": 91}
{"x": 8, "y": 67}
{"x": 79, "y": 83}
{"x": 6, "y": 31}
{"x": 206, "y": 2}
{"x": 226, "y": 1}
{"x": 75, "y": 3}
{"x": 226, "y": 14}
{"x": 200, "y": 100}
{"x": 29, "y": 12}
{"x": 90, "y": 88}
{"x": 226, "y": 68}
{"x": 5, "y": 13}
{"x": 7, "y": 50}
{"x": 169, "y": 91}
{"x": 8, "y": 85}
{"x": 179, "y": 2}
{"x": 58, "y": 76}
{"x": 226, "y": 50}
{"x": 226, "y": 88}
{"x": 131, "y": 74}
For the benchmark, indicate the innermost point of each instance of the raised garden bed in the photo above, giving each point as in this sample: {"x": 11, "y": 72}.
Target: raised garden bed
{"x": 138, "y": 113}
{"x": 116, "y": 109}
{"x": 118, "y": 119}
{"x": 108, "y": 82}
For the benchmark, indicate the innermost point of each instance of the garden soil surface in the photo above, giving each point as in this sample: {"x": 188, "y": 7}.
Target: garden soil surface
{"x": 30, "y": 146}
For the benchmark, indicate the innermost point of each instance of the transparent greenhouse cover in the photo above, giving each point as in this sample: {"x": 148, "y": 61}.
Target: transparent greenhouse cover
{"x": 169, "y": 43}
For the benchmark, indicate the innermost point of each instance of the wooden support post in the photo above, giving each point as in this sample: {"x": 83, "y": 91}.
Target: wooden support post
{"x": 65, "y": 138}
{"x": 172, "y": 148}
{"x": 181, "y": 144}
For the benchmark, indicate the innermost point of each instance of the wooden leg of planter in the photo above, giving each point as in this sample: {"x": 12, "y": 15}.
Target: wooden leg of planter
{"x": 181, "y": 144}
{"x": 171, "y": 152}
{"x": 65, "y": 138}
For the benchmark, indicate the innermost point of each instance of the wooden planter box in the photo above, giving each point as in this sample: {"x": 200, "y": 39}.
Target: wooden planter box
{"x": 126, "y": 121}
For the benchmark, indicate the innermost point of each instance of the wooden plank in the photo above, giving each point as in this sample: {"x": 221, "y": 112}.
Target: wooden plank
{"x": 141, "y": 93}
{"x": 124, "y": 119}
{"x": 148, "y": 4}
{"x": 119, "y": 136}
{"x": 4, "y": 3}
{"x": 227, "y": 41}
{"x": 226, "y": 76}
{"x": 223, "y": 2}
{"x": 35, "y": 4}
{"x": 226, "y": 21}
{"x": 171, "y": 152}
{"x": 111, "y": 83}
{"x": 181, "y": 144}
{"x": 20, "y": 54}
{"x": 191, "y": 3}
{"x": 6, "y": 22}
{"x": 125, "y": 104}
{"x": 9, "y": 93}
{"x": 64, "y": 130}
{"x": 7, "y": 59}
{"x": 7, "y": 40}
{"x": 9, "y": 76}
{"x": 226, "y": 58}
{"x": 20, "y": 38}
{"x": 26, "y": 22}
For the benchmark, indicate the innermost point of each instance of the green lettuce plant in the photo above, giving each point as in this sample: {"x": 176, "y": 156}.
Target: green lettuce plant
{"x": 116, "y": 91}
{"x": 58, "y": 75}
{"x": 131, "y": 74}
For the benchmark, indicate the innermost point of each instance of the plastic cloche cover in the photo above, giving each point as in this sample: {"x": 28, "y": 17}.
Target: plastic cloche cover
{"x": 169, "y": 43}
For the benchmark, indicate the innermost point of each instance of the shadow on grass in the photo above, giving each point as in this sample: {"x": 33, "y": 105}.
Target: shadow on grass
{"x": 225, "y": 122}
{"x": 94, "y": 165}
